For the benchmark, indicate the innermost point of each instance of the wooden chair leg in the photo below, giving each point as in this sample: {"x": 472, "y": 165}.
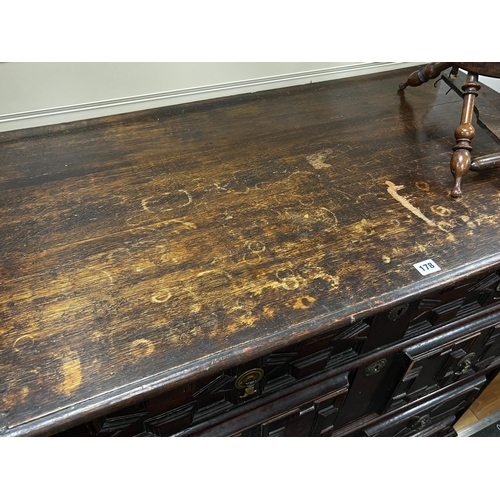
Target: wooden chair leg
{"x": 432, "y": 70}
{"x": 461, "y": 159}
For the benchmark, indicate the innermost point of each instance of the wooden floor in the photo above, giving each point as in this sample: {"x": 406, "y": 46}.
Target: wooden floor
{"x": 477, "y": 416}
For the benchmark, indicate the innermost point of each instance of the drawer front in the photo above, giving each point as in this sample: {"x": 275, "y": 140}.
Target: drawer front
{"x": 310, "y": 409}
{"x": 430, "y": 417}
{"x": 416, "y": 317}
{"x": 434, "y": 364}
{"x": 454, "y": 302}
{"x": 315, "y": 416}
{"x": 397, "y": 378}
{"x": 215, "y": 395}
{"x": 442, "y": 428}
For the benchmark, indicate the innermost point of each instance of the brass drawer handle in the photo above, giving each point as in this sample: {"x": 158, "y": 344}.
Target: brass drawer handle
{"x": 248, "y": 381}
{"x": 465, "y": 364}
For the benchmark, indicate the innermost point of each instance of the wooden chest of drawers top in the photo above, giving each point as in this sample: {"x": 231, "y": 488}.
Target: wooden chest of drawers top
{"x": 143, "y": 250}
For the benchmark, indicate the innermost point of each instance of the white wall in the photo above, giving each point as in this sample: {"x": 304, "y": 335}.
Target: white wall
{"x": 34, "y": 94}
{"x": 494, "y": 83}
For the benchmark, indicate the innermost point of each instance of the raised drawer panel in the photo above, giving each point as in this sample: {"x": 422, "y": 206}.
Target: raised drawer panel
{"x": 429, "y": 415}
{"x": 397, "y": 378}
{"x": 308, "y": 408}
{"x": 434, "y": 364}
{"x": 454, "y": 302}
{"x": 315, "y": 418}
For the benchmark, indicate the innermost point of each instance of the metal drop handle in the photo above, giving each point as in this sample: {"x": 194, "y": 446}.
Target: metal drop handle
{"x": 465, "y": 364}
{"x": 249, "y": 381}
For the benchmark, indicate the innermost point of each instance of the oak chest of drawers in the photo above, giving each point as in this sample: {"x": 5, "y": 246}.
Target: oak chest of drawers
{"x": 410, "y": 370}
{"x": 287, "y": 263}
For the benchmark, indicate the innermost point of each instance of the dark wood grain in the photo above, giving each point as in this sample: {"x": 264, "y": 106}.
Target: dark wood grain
{"x": 140, "y": 250}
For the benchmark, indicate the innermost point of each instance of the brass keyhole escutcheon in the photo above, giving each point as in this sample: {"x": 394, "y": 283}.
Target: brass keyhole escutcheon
{"x": 248, "y": 381}
{"x": 375, "y": 367}
{"x": 465, "y": 364}
{"x": 398, "y": 311}
{"x": 421, "y": 423}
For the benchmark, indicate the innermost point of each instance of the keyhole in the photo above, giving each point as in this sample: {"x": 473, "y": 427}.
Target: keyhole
{"x": 398, "y": 311}
{"x": 375, "y": 367}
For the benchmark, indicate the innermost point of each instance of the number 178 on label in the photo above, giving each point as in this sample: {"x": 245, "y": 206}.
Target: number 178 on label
{"x": 427, "y": 267}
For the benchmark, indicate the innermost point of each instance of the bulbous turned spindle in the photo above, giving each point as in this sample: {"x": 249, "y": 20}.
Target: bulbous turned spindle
{"x": 461, "y": 160}
{"x": 432, "y": 70}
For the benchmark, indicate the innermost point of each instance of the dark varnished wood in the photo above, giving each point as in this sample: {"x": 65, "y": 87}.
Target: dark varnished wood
{"x": 426, "y": 73}
{"x": 461, "y": 159}
{"x": 143, "y": 250}
{"x": 488, "y": 116}
{"x": 490, "y": 69}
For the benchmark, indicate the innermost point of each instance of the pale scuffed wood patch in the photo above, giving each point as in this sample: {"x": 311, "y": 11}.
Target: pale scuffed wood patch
{"x": 317, "y": 160}
{"x": 71, "y": 371}
{"x": 393, "y": 191}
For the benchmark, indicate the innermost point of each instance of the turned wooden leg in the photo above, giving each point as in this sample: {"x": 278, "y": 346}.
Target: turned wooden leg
{"x": 461, "y": 159}
{"x": 432, "y": 70}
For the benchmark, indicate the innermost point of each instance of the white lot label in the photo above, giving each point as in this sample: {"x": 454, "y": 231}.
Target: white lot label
{"x": 427, "y": 267}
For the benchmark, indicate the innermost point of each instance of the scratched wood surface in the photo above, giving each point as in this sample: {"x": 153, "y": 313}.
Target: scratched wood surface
{"x": 141, "y": 250}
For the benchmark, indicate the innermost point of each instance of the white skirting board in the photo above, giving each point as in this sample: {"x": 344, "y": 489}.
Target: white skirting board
{"x": 36, "y": 94}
